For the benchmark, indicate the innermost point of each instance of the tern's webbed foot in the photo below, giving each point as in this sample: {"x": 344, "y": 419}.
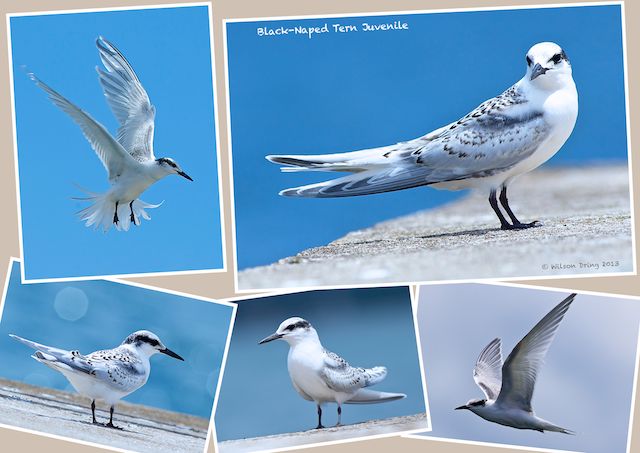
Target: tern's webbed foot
{"x": 320, "y": 426}
{"x": 520, "y": 226}
{"x": 111, "y": 425}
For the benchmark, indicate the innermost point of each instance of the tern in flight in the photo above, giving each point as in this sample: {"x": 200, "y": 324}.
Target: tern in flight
{"x": 128, "y": 158}
{"x": 509, "y": 387}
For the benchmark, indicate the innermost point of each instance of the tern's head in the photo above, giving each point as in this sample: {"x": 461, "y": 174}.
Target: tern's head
{"x": 292, "y": 330}
{"x": 472, "y": 405}
{"x": 148, "y": 343}
{"x": 171, "y": 167}
{"x": 547, "y": 66}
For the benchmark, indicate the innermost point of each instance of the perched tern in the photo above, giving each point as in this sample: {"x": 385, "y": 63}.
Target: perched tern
{"x": 106, "y": 375}
{"x": 129, "y": 160}
{"x": 504, "y": 137}
{"x": 509, "y": 387}
{"x": 321, "y": 376}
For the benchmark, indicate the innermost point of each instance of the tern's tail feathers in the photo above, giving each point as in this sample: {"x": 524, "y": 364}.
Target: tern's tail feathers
{"x": 353, "y": 162}
{"x": 368, "y": 182}
{"x": 100, "y": 213}
{"x": 58, "y": 359}
{"x": 368, "y": 396}
{"x": 548, "y": 426}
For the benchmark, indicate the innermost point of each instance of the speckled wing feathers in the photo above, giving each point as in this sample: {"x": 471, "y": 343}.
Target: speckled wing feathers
{"x": 342, "y": 377}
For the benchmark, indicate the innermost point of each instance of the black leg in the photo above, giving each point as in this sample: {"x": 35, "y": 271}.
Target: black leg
{"x": 110, "y": 424}
{"x": 133, "y": 218}
{"x": 339, "y": 415}
{"x": 93, "y": 412}
{"x": 115, "y": 215}
{"x": 516, "y": 223}
{"x": 319, "y": 418}
{"x": 493, "y": 201}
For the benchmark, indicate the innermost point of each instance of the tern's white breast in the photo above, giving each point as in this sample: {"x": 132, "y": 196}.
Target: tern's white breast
{"x": 305, "y": 363}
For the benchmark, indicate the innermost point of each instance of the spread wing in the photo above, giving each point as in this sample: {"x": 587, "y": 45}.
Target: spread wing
{"x": 521, "y": 368}
{"x": 128, "y": 100}
{"x": 488, "y": 370}
{"x": 111, "y": 153}
{"x": 338, "y": 375}
{"x": 491, "y": 139}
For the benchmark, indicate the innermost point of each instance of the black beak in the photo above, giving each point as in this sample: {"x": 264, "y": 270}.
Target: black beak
{"x": 170, "y": 353}
{"x": 271, "y": 337}
{"x": 184, "y": 175}
{"x": 461, "y": 407}
{"x": 537, "y": 71}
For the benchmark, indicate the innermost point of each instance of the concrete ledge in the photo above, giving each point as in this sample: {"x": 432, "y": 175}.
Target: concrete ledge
{"x": 145, "y": 429}
{"x": 370, "y": 428}
{"x": 586, "y": 229}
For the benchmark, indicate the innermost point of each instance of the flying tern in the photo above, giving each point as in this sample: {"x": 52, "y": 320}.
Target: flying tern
{"x": 321, "y": 376}
{"x": 106, "y": 375}
{"x": 508, "y": 387}
{"x": 504, "y": 137}
{"x": 128, "y": 158}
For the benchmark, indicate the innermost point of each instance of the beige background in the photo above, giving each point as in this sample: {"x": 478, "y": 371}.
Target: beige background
{"x": 221, "y": 284}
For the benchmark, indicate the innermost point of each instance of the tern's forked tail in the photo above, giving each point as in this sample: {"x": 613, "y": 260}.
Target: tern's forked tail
{"x": 100, "y": 212}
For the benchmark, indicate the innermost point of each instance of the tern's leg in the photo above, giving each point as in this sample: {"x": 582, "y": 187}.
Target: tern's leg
{"x": 110, "y": 424}
{"x": 133, "y": 218}
{"x": 319, "y": 418}
{"x": 494, "y": 204}
{"x": 93, "y": 412}
{"x": 115, "y": 215}
{"x": 516, "y": 223}
{"x": 339, "y": 415}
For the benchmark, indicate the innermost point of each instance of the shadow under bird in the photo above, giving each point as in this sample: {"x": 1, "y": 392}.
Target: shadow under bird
{"x": 108, "y": 375}
{"x": 509, "y": 387}
{"x": 504, "y": 137}
{"x": 128, "y": 158}
{"x": 321, "y": 376}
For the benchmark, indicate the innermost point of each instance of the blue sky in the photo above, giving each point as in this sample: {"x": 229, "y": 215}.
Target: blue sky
{"x": 367, "y": 327}
{"x": 341, "y": 92}
{"x": 94, "y": 315}
{"x": 169, "y": 50}
{"x": 585, "y": 385}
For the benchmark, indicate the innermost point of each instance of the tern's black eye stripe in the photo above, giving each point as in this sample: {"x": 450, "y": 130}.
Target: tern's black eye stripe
{"x": 528, "y": 61}
{"x": 557, "y": 58}
{"x": 303, "y": 324}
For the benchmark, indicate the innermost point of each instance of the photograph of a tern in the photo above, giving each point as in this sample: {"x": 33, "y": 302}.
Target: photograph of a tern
{"x": 129, "y": 157}
{"x": 322, "y": 376}
{"x": 509, "y": 386}
{"x": 504, "y": 137}
{"x": 108, "y": 375}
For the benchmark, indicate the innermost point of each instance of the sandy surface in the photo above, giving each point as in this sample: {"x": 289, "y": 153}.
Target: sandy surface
{"x": 370, "y": 428}
{"x": 586, "y": 229}
{"x": 145, "y": 429}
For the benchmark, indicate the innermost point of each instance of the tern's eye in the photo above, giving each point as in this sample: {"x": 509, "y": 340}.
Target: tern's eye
{"x": 528, "y": 61}
{"x": 557, "y": 58}
{"x": 290, "y": 327}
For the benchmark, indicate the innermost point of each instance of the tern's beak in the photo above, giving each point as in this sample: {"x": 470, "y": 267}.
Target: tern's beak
{"x": 170, "y": 353}
{"x": 537, "y": 71}
{"x": 274, "y": 336}
{"x": 184, "y": 175}
{"x": 464, "y": 406}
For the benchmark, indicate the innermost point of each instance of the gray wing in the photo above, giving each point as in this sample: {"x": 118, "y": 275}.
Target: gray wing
{"x": 119, "y": 369}
{"x": 488, "y": 370}
{"x": 521, "y": 368}
{"x": 338, "y": 375}
{"x": 128, "y": 100}
{"x": 111, "y": 153}
{"x": 491, "y": 139}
